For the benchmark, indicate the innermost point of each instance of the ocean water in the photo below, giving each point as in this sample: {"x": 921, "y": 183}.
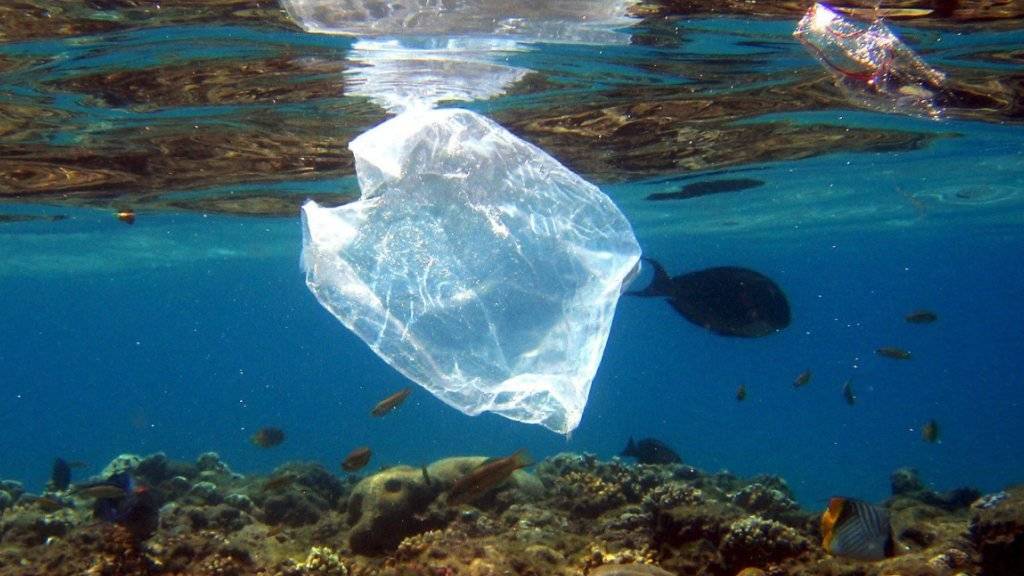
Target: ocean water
{"x": 191, "y": 329}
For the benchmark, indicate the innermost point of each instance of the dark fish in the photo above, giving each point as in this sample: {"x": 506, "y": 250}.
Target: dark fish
{"x": 267, "y": 437}
{"x": 922, "y": 317}
{"x": 77, "y": 464}
{"x": 848, "y": 395}
{"x": 126, "y": 216}
{"x": 894, "y": 353}
{"x": 60, "y": 475}
{"x": 930, "y": 431}
{"x": 856, "y": 529}
{"x": 651, "y": 451}
{"x": 802, "y": 379}
{"x": 486, "y": 476}
{"x": 391, "y": 402}
{"x": 707, "y": 187}
{"x": 356, "y": 459}
{"x": 741, "y": 393}
{"x": 727, "y": 300}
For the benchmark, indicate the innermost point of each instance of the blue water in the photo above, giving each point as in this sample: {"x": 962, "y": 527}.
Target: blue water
{"x": 185, "y": 333}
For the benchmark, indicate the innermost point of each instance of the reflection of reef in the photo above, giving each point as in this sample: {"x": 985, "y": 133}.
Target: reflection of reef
{"x": 208, "y": 133}
{"x": 926, "y": 13}
{"x": 699, "y": 133}
{"x": 277, "y": 80}
{"x": 570, "y": 516}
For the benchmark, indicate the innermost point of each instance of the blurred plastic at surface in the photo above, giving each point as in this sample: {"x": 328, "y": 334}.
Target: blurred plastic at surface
{"x": 475, "y": 264}
{"x": 587, "y": 21}
{"x": 870, "y": 63}
{"x": 400, "y": 76}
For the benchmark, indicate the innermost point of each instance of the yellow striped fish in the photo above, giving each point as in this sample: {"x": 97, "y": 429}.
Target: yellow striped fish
{"x": 856, "y": 529}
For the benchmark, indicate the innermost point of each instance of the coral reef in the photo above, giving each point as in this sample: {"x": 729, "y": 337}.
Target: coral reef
{"x": 575, "y": 514}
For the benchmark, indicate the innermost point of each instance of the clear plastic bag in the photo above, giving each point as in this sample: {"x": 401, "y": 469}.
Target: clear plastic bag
{"x": 475, "y": 264}
{"x": 870, "y": 63}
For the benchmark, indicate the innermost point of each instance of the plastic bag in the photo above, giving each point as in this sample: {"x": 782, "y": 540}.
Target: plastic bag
{"x": 475, "y": 264}
{"x": 589, "y": 21}
{"x": 870, "y": 63}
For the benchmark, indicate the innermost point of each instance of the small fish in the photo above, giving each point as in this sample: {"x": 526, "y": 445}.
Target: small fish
{"x": 856, "y": 529}
{"x": 126, "y": 216}
{"x": 356, "y": 459}
{"x": 114, "y": 488}
{"x": 651, "y": 451}
{"x": 49, "y": 504}
{"x": 930, "y": 431}
{"x": 802, "y": 379}
{"x": 848, "y": 394}
{"x": 894, "y": 353}
{"x": 486, "y": 476}
{"x": 60, "y": 475}
{"x": 391, "y": 402}
{"x": 751, "y": 572}
{"x": 279, "y": 482}
{"x": 921, "y": 317}
{"x": 741, "y": 393}
{"x": 267, "y": 437}
{"x": 77, "y": 464}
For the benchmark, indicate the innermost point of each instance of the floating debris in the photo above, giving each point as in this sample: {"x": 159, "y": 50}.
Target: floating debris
{"x": 894, "y": 353}
{"x": 267, "y": 437}
{"x": 922, "y": 317}
{"x": 126, "y": 216}
{"x": 486, "y": 476}
{"x": 356, "y": 459}
{"x": 727, "y": 300}
{"x": 391, "y": 402}
{"x": 802, "y": 379}
{"x": 930, "y": 431}
{"x": 651, "y": 451}
{"x": 855, "y": 529}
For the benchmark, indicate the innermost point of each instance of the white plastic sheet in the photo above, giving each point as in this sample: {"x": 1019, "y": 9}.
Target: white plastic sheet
{"x": 475, "y": 264}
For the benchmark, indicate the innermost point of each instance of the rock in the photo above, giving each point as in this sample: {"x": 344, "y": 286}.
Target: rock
{"x": 175, "y": 487}
{"x": 211, "y": 462}
{"x": 205, "y": 493}
{"x": 391, "y": 505}
{"x": 123, "y": 463}
{"x": 998, "y": 534}
{"x": 905, "y": 481}
{"x": 28, "y": 528}
{"x": 239, "y": 501}
{"x": 5, "y": 500}
{"x": 290, "y": 509}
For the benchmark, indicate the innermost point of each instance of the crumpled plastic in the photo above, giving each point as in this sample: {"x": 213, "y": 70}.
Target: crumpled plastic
{"x": 581, "y": 21}
{"x": 871, "y": 65}
{"x": 474, "y": 264}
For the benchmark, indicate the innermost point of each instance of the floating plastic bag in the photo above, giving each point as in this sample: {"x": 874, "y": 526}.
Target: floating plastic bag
{"x": 870, "y": 63}
{"x": 586, "y": 21}
{"x": 475, "y": 264}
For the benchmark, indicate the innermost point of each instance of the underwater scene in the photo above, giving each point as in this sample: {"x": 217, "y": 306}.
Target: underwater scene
{"x": 582, "y": 287}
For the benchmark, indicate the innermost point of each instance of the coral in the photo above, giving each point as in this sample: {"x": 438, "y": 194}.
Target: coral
{"x": 389, "y": 506}
{"x": 323, "y": 561}
{"x": 204, "y": 493}
{"x": 239, "y": 501}
{"x": 756, "y": 540}
{"x": 769, "y": 502}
